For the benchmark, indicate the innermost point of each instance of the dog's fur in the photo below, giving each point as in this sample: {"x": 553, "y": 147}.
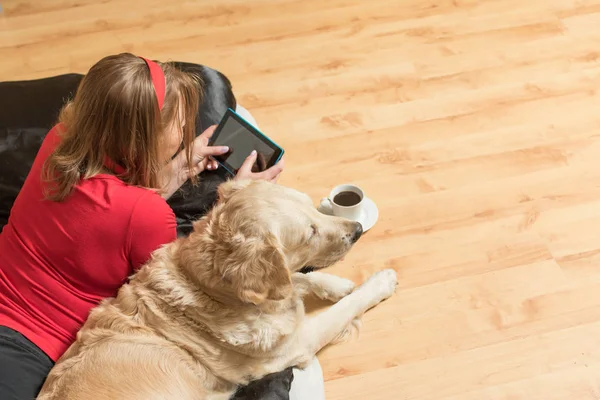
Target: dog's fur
{"x": 221, "y": 307}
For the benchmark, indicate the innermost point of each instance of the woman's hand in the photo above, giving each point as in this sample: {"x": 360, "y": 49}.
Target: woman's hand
{"x": 177, "y": 171}
{"x": 271, "y": 174}
{"x": 201, "y": 153}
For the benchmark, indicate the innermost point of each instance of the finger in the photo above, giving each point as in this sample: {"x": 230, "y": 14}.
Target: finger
{"x": 208, "y": 132}
{"x": 212, "y": 165}
{"x": 246, "y": 167}
{"x": 273, "y": 172}
{"x": 276, "y": 178}
{"x": 213, "y": 150}
{"x": 280, "y": 165}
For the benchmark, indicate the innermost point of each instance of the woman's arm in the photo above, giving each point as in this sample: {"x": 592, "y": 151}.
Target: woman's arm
{"x": 177, "y": 172}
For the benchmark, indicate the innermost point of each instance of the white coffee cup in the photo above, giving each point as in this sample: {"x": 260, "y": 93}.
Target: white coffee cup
{"x": 346, "y": 201}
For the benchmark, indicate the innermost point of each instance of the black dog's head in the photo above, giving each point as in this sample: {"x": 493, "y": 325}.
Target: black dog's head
{"x": 217, "y": 94}
{"x": 271, "y": 387}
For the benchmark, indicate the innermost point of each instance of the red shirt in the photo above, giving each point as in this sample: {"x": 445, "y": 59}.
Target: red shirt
{"x": 59, "y": 259}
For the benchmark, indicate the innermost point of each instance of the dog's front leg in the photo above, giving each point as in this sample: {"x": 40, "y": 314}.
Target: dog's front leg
{"x": 324, "y": 286}
{"x": 319, "y": 331}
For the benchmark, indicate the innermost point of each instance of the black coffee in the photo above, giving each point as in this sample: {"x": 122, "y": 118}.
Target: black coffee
{"x": 347, "y": 199}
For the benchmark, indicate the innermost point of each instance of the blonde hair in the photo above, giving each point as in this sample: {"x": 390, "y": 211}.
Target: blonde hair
{"x": 114, "y": 115}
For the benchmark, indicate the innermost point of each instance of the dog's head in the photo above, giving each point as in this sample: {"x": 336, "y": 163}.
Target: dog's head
{"x": 258, "y": 234}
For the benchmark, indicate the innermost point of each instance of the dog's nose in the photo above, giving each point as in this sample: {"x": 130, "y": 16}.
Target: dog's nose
{"x": 358, "y": 231}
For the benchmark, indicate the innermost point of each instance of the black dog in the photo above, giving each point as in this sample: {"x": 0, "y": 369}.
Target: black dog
{"x": 28, "y": 109}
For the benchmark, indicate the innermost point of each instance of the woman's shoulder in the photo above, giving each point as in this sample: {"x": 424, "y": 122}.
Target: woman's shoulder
{"x": 143, "y": 213}
{"x": 150, "y": 200}
{"x": 145, "y": 206}
{"x": 152, "y": 225}
{"x": 122, "y": 195}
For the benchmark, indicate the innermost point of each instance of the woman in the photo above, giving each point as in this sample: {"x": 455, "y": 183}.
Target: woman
{"x": 93, "y": 208}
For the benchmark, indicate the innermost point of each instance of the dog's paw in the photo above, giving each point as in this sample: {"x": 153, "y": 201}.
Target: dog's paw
{"x": 353, "y": 329}
{"x": 382, "y": 284}
{"x": 336, "y": 289}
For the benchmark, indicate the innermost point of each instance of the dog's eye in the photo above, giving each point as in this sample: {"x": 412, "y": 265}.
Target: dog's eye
{"x": 314, "y": 230}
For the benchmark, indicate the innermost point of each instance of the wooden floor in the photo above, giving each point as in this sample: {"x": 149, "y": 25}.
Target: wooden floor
{"x": 473, "y": 124}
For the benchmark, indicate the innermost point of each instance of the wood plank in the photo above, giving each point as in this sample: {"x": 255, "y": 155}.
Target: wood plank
{"x": 473, "y": 124}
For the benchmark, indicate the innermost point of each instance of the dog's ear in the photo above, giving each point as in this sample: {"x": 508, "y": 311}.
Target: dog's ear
{"x": 228, "y": 188}
{"x": 257, "y": 269}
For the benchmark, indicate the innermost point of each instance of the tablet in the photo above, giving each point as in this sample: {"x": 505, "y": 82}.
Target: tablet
{"x": 242, "y": 137}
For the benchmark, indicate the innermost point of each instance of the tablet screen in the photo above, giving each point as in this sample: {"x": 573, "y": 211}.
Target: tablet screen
{"x": 241, "y": 140}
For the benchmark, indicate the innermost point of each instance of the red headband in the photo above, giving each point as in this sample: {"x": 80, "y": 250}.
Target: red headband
{"x": 158, "y": 80}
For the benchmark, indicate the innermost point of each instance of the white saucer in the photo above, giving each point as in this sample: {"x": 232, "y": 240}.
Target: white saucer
{"x": 368, "y": 216}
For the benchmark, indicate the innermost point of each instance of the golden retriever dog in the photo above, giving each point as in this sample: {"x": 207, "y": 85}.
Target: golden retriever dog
{"x": 221, "y": 307}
